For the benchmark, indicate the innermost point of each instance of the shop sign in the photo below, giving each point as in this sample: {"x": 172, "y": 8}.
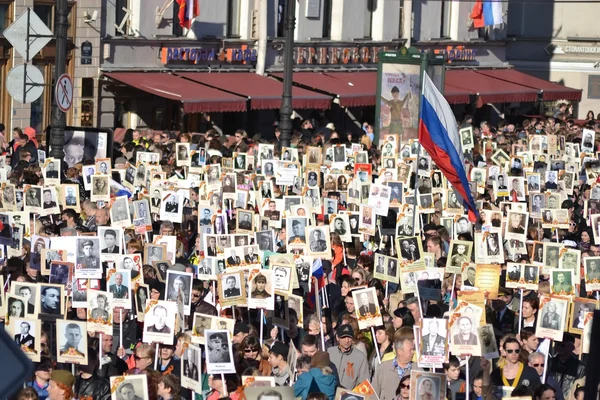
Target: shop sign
{"x": 582, "y": 49}
{"x": 243, "y": 55}
{"x": 304, "y": 55}
{"x": 457, "y": 54}
{"x": 86, "y": 53}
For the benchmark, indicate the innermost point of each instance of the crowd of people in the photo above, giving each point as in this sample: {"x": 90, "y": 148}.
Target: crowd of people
{"x": 340, "y": 267}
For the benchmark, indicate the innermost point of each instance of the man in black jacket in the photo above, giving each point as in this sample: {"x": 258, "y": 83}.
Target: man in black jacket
{"x": 111, "y": 364}
{"x": 88, "y": 384}
{"x": 24, "y": 145}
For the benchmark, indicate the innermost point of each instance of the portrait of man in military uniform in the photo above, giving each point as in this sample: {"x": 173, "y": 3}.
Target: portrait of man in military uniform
{"x": 459, "y": 255}
{"x": 592, "y": 270}
{"x": 317, "y": 243}
{"x": 551, "y": 318}
{"x": 87, "y": 254}
{"x": 298, "y": 226}
{"x": 72, "y": 336}
{"x": 100, "y": 311}
{"x": 218, "y": 348}
{"x": 562, "y": 282}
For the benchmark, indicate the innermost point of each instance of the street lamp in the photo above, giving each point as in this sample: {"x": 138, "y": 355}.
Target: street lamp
{"x": 59, "y": 119}
{"x": 285, "y": 122}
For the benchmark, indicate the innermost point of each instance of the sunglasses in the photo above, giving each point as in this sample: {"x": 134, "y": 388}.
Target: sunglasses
{"x": 539, "y": 365}
{"x": 516, "y": 351}
{"x": 357, "y": 279}
{"x": 250, "y": 350}
{"x": 137, "y": 358}
{"x": 403, "y": 386}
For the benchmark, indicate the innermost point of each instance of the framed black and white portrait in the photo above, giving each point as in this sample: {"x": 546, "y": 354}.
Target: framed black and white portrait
{"x": 318, "y": 240}
{"x": 265, "y": 240}
{"x": 180, "y": 283}
{"x": 232, "y": 291}
{"x": 129, "y": 387}
{"x": 51, "y": 301}
{"x": 30, "y": 293}
{"x": 282, "y": 278}
{"x": 183, "y": 154}
{"x": 219, "y": 354}
{"x": 71, "y": 342}
{"x": 191, "y": 368}
{"x": 100, "y": 188}
{"x": 27, "y": 333}
{"x": 159, "y": 322}
{"x": 296, "y": 230}
{"x": 552, "y": 316}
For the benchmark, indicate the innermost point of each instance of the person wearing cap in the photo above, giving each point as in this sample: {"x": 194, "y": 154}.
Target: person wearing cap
{"x": 169, "y": 364}
{"x": 278, "y": 355}
{"x": 41, "y": 378}
{"x": 218, "y": 351}
{"x": 319, "y": 378}
{"x": 503, "y": 317}
{"x": 351, "y": 364}
{"x": 61, "y": 385}
{"x": 298, "y": 232}
{"x": 240, "y": 332}
{"x": 89, "y": 260}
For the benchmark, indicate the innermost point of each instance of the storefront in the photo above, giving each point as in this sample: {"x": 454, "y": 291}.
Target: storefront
{"x": 573, "y": 64}
{"x": 345, "y": 71}
{"x": 481, "y": 82}
{"x": 196, "y": 88}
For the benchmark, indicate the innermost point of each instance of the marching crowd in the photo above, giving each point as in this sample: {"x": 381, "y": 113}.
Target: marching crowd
{"x": 417, "y": 255}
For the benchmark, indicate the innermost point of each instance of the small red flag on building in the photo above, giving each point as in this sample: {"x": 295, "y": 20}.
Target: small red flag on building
{"x": 188, "y": 10}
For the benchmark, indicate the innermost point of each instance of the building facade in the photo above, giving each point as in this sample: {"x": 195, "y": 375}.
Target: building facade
{"x": 127, "y": 37}
{"x": 562, "y": 45}
{"x": 83, "y": 42}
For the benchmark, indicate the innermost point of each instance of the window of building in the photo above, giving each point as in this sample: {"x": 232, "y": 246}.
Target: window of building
{"x": 87, "y": 87}
{"x": 446, "y": 19}
{"x": 233, "y": 18}
{"x": 4, "y": 16}
{"x": 371, "y": 6}
{"x": 280, "y": 18}
{"x": 327, "y": 12}
{"x": 401, "y": 32}
{"x": 46, "y": 14}
{"x": 119, "y": 15}
{"x": 45, "y": 9}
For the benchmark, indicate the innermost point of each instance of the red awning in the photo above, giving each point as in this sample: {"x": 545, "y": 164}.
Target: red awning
{"x": 456, "y": 94}
{"x": 354, "y": 89}
{"x": 550, "y": 91}
{"x": 194, "y": 96}
{"x": 489, "y": 89}
{"x": 264, "y": 93}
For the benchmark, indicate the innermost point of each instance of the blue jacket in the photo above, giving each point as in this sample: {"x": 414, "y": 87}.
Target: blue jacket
{"x": 316, "y": 381}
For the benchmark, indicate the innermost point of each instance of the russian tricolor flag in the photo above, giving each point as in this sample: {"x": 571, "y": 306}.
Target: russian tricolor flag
{"x": 318, "y": 273}
{"x": 438, "y": 134}
{"x": 188, "y": 10}
{"x": 486, "y": 13}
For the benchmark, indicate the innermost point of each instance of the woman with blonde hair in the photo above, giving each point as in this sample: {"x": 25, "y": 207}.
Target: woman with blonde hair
{"x": 360, "y": 276}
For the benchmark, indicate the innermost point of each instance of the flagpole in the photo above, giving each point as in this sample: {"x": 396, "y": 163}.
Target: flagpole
{"x": 424, "y": 64}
